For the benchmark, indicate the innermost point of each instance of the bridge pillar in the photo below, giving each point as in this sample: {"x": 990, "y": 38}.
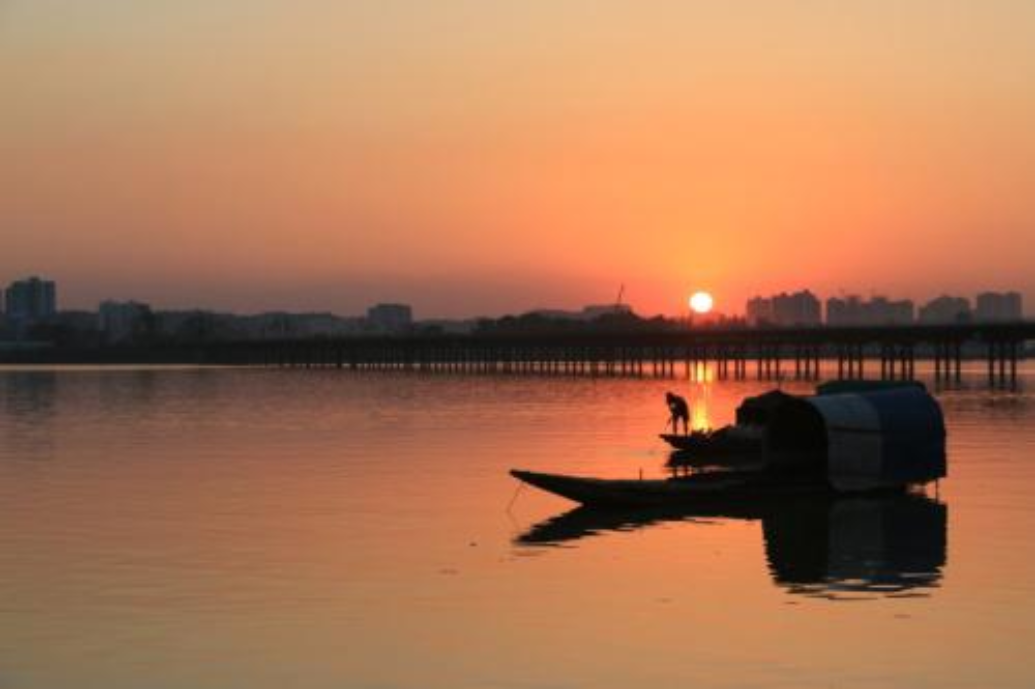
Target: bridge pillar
{"x": 1003, "y": 357}
{"x": 991, "y": 362}
{"x": 1014, "y": 353}
{"x": 958, "y": 361}
{"x": 1002, "y": 363}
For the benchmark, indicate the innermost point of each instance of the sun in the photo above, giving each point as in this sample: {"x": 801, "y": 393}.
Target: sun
{"x": 701, "y": 302}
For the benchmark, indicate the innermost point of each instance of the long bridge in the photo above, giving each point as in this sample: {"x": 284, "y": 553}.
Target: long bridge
{"x": 734, "y": 353}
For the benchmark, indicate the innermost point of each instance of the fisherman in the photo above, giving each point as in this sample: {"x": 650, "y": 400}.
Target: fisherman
{"x": 680, "y": 411}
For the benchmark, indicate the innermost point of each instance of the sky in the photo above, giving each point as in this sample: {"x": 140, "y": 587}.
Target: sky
{"x": 474, "y": 157}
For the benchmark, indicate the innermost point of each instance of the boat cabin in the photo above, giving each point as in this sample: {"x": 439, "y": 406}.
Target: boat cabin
{"x": 859, "y": 437}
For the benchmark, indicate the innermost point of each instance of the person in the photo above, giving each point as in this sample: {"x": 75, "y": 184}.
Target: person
{"x": 680, "y": 411}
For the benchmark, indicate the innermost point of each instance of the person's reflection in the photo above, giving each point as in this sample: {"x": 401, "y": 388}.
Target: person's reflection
{"x": 822, "y": 546}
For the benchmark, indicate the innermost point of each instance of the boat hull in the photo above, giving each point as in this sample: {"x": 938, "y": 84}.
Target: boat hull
{"x": 694, "y": 490}
{"x": 717, "y": 445}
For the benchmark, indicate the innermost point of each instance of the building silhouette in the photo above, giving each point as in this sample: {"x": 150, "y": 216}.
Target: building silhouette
{"x": 785, "y": 309}
{"x": 945, "y": 310}
{"x": 998, "y": 307}
{"x": 390, "y": 317}
{"x": 124, "y": 322}
{"x": 852, "y": 310}
{"x": 759, "y": 311}
{"x": 28, "y": 303}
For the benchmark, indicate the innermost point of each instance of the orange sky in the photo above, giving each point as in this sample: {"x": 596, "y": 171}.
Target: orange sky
{"x": 473, "y": 157}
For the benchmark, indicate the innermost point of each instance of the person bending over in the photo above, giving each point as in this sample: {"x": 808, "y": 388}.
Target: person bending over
{"x": 680, "y": 411}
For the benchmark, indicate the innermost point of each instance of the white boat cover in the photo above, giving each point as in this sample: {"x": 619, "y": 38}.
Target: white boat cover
{"x": 882, "y": 438}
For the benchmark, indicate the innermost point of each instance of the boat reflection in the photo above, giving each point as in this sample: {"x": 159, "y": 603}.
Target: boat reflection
{"x": 818, "y": 546}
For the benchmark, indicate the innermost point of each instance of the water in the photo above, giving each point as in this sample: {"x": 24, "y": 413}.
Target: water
{"x": 247, "y": 527}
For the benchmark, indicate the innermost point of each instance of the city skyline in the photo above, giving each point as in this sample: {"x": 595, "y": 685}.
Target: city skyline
{"x": 38, "y": 295}
{"x": 296, "y": 155}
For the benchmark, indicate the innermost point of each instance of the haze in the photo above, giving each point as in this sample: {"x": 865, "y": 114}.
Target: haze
{"x": 476, "y": 158}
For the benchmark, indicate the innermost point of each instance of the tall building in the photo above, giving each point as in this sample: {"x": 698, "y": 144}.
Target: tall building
{"x": 786, "y": 309}
{"x": 29, "y": 302}
{"x": 846, "y": 311}
{"x": 852, "y": 310}
{"x": 797, "y": 309}
{"x": 389, "y": 317}
{"x": 945, "y": 310}
{"x": 998, "y": 307}
{"x": 885, "y": 312}
{"x": 759, "y": 311}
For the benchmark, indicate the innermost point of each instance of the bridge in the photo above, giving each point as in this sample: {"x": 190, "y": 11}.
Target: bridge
{"x": 772, "y": 353}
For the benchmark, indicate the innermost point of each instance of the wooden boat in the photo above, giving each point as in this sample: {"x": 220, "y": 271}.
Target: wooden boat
{"x": 730, "y": 445}
{"x": 689, "y": 490}
{"x": 881, "y": 439}
{"x": 686, "y": 442}
{"x": 862, "y": 436}
{"x": 717, "y": 444}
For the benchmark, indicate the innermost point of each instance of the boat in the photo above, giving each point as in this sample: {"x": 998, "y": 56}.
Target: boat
{"x": 745, "y": 439}
{"x": 844, "y": 439}
{"x": 728, "y": 440}
{"x": 698, "y": 490}
{"x": 729, "y": 446}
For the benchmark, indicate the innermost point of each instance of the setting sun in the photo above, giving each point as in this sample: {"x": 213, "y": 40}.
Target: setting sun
{"x": 701, "y": 302}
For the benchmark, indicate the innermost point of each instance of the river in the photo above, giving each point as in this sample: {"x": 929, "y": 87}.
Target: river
{"x": 193, "y": 526}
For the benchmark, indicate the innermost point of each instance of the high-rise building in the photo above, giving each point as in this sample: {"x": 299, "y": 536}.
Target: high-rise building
{"x": 786, "y": 309}
{"x": 885, "y": 312}
{"x": 759, "y": 311}
{"x": 846, "y": 311}
{"x": 998, "y": 307}
{"x": 877, "y": 311}
{"x": 945, "y": 310}
{"x": 29, "y": 302}
{"x": 389, "y": 317}
{"x": 797, "y": 309}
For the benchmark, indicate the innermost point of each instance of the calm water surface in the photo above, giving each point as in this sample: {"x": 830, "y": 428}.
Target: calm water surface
{"x": 221, "y": 527}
